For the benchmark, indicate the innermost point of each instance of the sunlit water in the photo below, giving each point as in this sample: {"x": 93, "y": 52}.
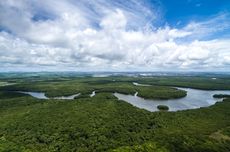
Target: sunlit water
{"x": 92, "y": 94}
{"x": 67, "y": 97}
{"x": 195, "y": 99}
{"x": 41, "y": 95}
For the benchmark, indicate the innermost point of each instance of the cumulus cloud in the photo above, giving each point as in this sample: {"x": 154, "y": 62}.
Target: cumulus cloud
{"x": 105, "y": 35}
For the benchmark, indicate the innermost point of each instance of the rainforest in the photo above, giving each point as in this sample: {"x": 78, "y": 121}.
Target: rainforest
{"x": 97, "y": 120}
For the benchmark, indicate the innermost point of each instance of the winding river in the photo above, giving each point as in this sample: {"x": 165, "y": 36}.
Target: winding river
{"x": 195, "y": 99}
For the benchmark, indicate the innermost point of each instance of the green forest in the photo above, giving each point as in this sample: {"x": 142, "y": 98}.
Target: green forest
{"x": 104, "y": 123}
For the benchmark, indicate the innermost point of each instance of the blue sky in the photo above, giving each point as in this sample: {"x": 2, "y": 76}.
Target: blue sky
{"x": 185, "y": 10}
{"x": 115, "y": 35}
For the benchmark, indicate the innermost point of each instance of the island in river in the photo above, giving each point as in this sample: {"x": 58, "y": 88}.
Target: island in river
{"x": 94, "y": 119}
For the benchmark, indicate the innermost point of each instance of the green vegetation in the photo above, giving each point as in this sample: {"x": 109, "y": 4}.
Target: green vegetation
{"x": 221, "y": 96}
{"x": 163, "y": 107}
{"x": 205, "y": 83}
{"x": 147, "y": 147}
{"x": 86, "y": 85}
{"x": 159, "y": 92}
{"x": 5, "y": 83}
{"x": 103, "y": 123}
{"x": 10, "y": 94}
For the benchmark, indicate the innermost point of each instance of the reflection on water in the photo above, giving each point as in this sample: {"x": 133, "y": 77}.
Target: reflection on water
{"x": 195, "y": 99}
{"x": 41, "y": 95}
{"x": 138, "y": 84}
{"x": 92, "y": 94}
{"x": 67, "y": 97}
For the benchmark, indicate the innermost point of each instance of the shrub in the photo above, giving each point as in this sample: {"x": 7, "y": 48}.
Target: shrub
{"x": 163, "y": 107}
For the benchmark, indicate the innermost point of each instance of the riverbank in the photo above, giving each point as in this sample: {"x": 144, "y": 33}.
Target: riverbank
{"x": 103, "y": 123}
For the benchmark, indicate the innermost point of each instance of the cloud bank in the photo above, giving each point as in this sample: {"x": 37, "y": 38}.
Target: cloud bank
{"x": 107, "y": 35}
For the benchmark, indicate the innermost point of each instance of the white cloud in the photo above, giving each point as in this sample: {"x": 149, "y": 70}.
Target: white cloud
{"x": 94, "y": 35}
{"x": 115, "y": 20}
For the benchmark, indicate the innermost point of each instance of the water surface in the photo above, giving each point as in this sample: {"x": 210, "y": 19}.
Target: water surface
{"x": 67, "y": 97}
{"x": 92, "y": 94}
{"x": 195, "y": 99}
{"x": 41, "y": 95}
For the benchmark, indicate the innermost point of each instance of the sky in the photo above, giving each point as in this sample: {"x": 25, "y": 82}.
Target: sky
{"x": 114, "y": 35}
